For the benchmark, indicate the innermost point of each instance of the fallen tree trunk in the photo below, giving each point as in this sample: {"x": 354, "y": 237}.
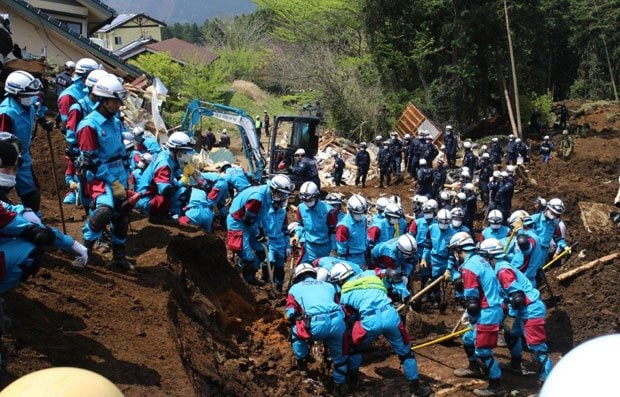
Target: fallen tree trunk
{"x": 572, "y": 273}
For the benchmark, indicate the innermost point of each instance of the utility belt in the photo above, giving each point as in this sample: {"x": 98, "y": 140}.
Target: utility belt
{"x": 324, "y": 316}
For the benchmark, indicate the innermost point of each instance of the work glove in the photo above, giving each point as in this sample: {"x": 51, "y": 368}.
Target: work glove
{"x": 188, "y": 170}
{"x": 260, "y": 237}
{"x": 31, "y": 217}
{"x": 39, "y": 235}
{"x": 261, "y": 255}
{"x": 81, "y": 253}
{"x": 423, "y": 264}
{"x": 447, "y": 275}
{"x": 130, "y": 202}
{"x": 569, "y": 253}
{"x": 74, "y": 185}
{"x": 333, "y": 253}
{"x": 184, "y": 180}
{"x": 118, "y": 191}
{"x": 45, "y": 124}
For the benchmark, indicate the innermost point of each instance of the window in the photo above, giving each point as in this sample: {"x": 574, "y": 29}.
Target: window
{"x": 75, "y": 26}
{"x": 118, "y": 40}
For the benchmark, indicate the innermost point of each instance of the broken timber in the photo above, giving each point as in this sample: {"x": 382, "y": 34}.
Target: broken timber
{"x": 574, "y": 272}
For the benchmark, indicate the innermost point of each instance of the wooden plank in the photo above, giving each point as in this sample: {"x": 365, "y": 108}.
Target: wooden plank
{"x": 572, "y": 273}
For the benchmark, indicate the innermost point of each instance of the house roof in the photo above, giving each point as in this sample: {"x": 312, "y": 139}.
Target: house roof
{"x": 99, "y": 6}
{"x": 184, "y": 52}
{"x": 138, "y": 46}
{"x": 124, "y": 18}
{"x": 38, "y": 17}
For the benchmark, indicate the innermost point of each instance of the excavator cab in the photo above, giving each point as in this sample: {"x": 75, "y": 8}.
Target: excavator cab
{"x": 288, "y": 134}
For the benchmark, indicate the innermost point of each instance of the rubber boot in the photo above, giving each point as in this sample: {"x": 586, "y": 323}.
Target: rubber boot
{"x": 341, "y": 389}
{"x": 354, "y": 379}
{"x": 302, "y": 367}
{"x": 472, "y": 371}
{"x": 89, "y": 244}
{"x": 513, "y": 366}
{"x": 249, "y": 275}
{"x": 418, "y": 389}
{"x": 493, "y": 389}
{"x": 119, "y": 259}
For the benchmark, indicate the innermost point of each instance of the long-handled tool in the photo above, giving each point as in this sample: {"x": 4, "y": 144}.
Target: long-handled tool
{"x": 441, "y": 339}
{"x": 512, "y": 235}
{"x": 566, "y": 251}
{"x": 269, "y": 266}
{"x": 53, "y": 158}
{"x": 420, "y": 294}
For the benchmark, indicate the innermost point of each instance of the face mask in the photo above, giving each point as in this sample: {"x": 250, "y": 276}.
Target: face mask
{"x": 310, "y": 203}
{"x": 549, "y": 215}
{"x": 495, "y": 226}
{"x": 393, "y": 221}
{"x": 7, "y": 180}
{"x": 184, "y": 158}
{"x": 279, "y": 204}
{"x": 28, "y": 100}
{"x": 358, "y": 217}
{"x": 428, "y": 215}
{"x": 141, "y": 165}
{"x": 443, "y": 226}
{"x": 457, "y": 222}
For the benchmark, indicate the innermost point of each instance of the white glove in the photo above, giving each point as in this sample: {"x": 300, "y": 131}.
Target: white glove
{"x": 31, "y": 217}
{"x": 81, "y": 255}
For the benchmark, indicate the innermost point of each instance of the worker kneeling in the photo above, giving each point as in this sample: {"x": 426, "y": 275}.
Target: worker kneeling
{"x": 371, "y": 314}
{"x": 314, "y": 313}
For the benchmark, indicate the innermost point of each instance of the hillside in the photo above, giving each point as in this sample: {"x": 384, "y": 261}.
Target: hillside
{"x": 184, "y": 10}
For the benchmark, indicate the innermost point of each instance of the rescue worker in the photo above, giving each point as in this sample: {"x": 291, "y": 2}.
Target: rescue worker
{"x": 450, "y": 146}
{"x": 484, "y": 176}
{"x": 307, "y": 168}
{"x": 391, "y": 225}
{"x": 534, "y": 123}
{"x": 103, "y": 160}
{"x": 80, "y": 109}
{"x": 418, "y": 203}
{"x": 469, "y": 158}
{"x": 503, "y": 196}
{"x": 471, "y": 206}
{"x": 362, "y": 162}
{"x": 338, "y": 169}
{"x": 314, "y": 313}
{"x": 456, "y": 223}
{"x": 166, "y": 179}
{"x": 428, "y": 151}
{"x": 563, "y": 116}
{"x": 439, "y": 177}
{"x": 546, "y": 225}
{"x": 276, "y": 231}
{"x": 494, "y": 184}
{"x": 566, "y": 145}
{"x": 216, "y": 193}
{"x": 419, "y": 229}
{"x": 484, "y": 308}
{"x": 511, "y": 150}
{"x": 258, "y": 127}
{"x": 136, "y": 173}
{"x": 413, "y": 154}
{"x": 523, "y": 152}
{"x": 436, "y": 249}
{"x": 397, "y": 253}
{"x": 406, "y": 142}
{"x": 327, "y": 263}
{"x": 317, "y": 221}
{"x": 224, "y": 139}
{"x": 209, "y": 139}
{"x": 367, "y": 306}
{"x": 497, "y": 152}
{"x": 351, "y": 232}
{"x": 238, "y": 180}
{"x": 17, "y": 116}
{"x": 384, "y": 162}
{"x": 425, "y": 179}
{"x": 65, "y": 78}
{"x": 247, "y": 212}
{"x": 495, "y": 229}
{"x": 396, "y": 149}
{"x": 445, "y": 200}
{"x": 526, "y": 312}
{"x": 378, "y": 228}
{"x": 546, "y": 148}
{"x": 528, "y": 257}
{"x": 75, "y": 91}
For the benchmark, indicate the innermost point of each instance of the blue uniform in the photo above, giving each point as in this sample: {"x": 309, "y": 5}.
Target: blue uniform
{"x": 69, "y": 96}
{"x": 471, "y": 208}
{"x": 351, "y": 239}
{"x": 247, "y": 212}
{"x": 100, "y": 139}
{"x": 529, "y": 320}
{"x": 362, "y": 162}
{"x": 378, "y": 230}
{"x": 328, "y": 262}
{"x": 323, "y": 320}
{"x": 219, "y": 192}
{"x": 419, "y": 229}
{"x": 528, "y": 262}
{"x": 160, "y": 186}
{"x": 511, "y": 152}
{"x": 547, "y": 230}
{"x": 276, "y": 230}
{"x": 198, "y": 212}
{"x": 332, "y": 236}
{"x": 396, "y": 148}
{"x": 545, "y": 151}
{"x": 413, "y": 153}
{"x": 237, "y": 178}
{"x": 425, "y": 181}
{"x": 497, "y": 152}
{"x": 316, "y": 224}
{"x": 367, "y": 304}
{"x": 438, "y": 250}
{"x": 19, "y": 121}
{"x": 308, "y": 170}
{"x": 470, "y": 160}
{"x": 386, "y": 255}
{"x": 480, "y": 282}
{"x": 500, "y": 233}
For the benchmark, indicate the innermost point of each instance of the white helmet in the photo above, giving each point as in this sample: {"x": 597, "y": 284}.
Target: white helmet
{"x": 340, "y": 272}
{"x": 491, "y": 247}
{"x": 546, "y": 137}
{"x": 85, "y": 66}
{"x": 422, "y": 161}
{"x": 322, "y": 274}
{"x": 393, "y": 210}
{"x": 333, "y": 199}
{"x": 407, "y": 136}
{"x": 510, "y": 169}
{"x": 495, "y": 217}
{"x": 465, "y": 173}
{"x": 496, "y": 174}
{"x": 430, "y": 205}
{"x": 443, "y": 218}
{"x": 444, "y": 195}
{"x": 363, "y": 145}
{"x": 461, "y": 196}
{"x": 494, "y": 140}
{"x": 516, "y": 217}
{"x": 457, "y": 212}
{"x": 407, "y": 245}
{"x": 300, "y": 152}
{"x": 504, "y": 174}
{"x": 448, "y": 127}
{"x": 109, "y": 87}
{"x": 281, "y": 187}
{"x": 542, "y": 203}
{"x": 511, "y": 137}
{"x": 461, "y": 240}
{"x": 178, "y": 140}
{"x": 518, "y": 140}
{"x": 303, "y": 269}
{"x": 382, "y": 202}
{"x": 483, "y": 148}
{"x": 556, "y": 206}
{"x": 21, "y": 82}
{"x": 467, "y": 145}
{"x": 469, "y": 187}
{"x": 485, "y": 155}
{"x": 393, "y": 134}
{"x": 292, "y": 227}
{"x": 421, "y": 199}
{"x": 309, "y": 191}
{"x": 94, "y": 77}
{"x": 378, "y": 138}
{"x": 69, "y": 65}
{"x": 357, "y": 204}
